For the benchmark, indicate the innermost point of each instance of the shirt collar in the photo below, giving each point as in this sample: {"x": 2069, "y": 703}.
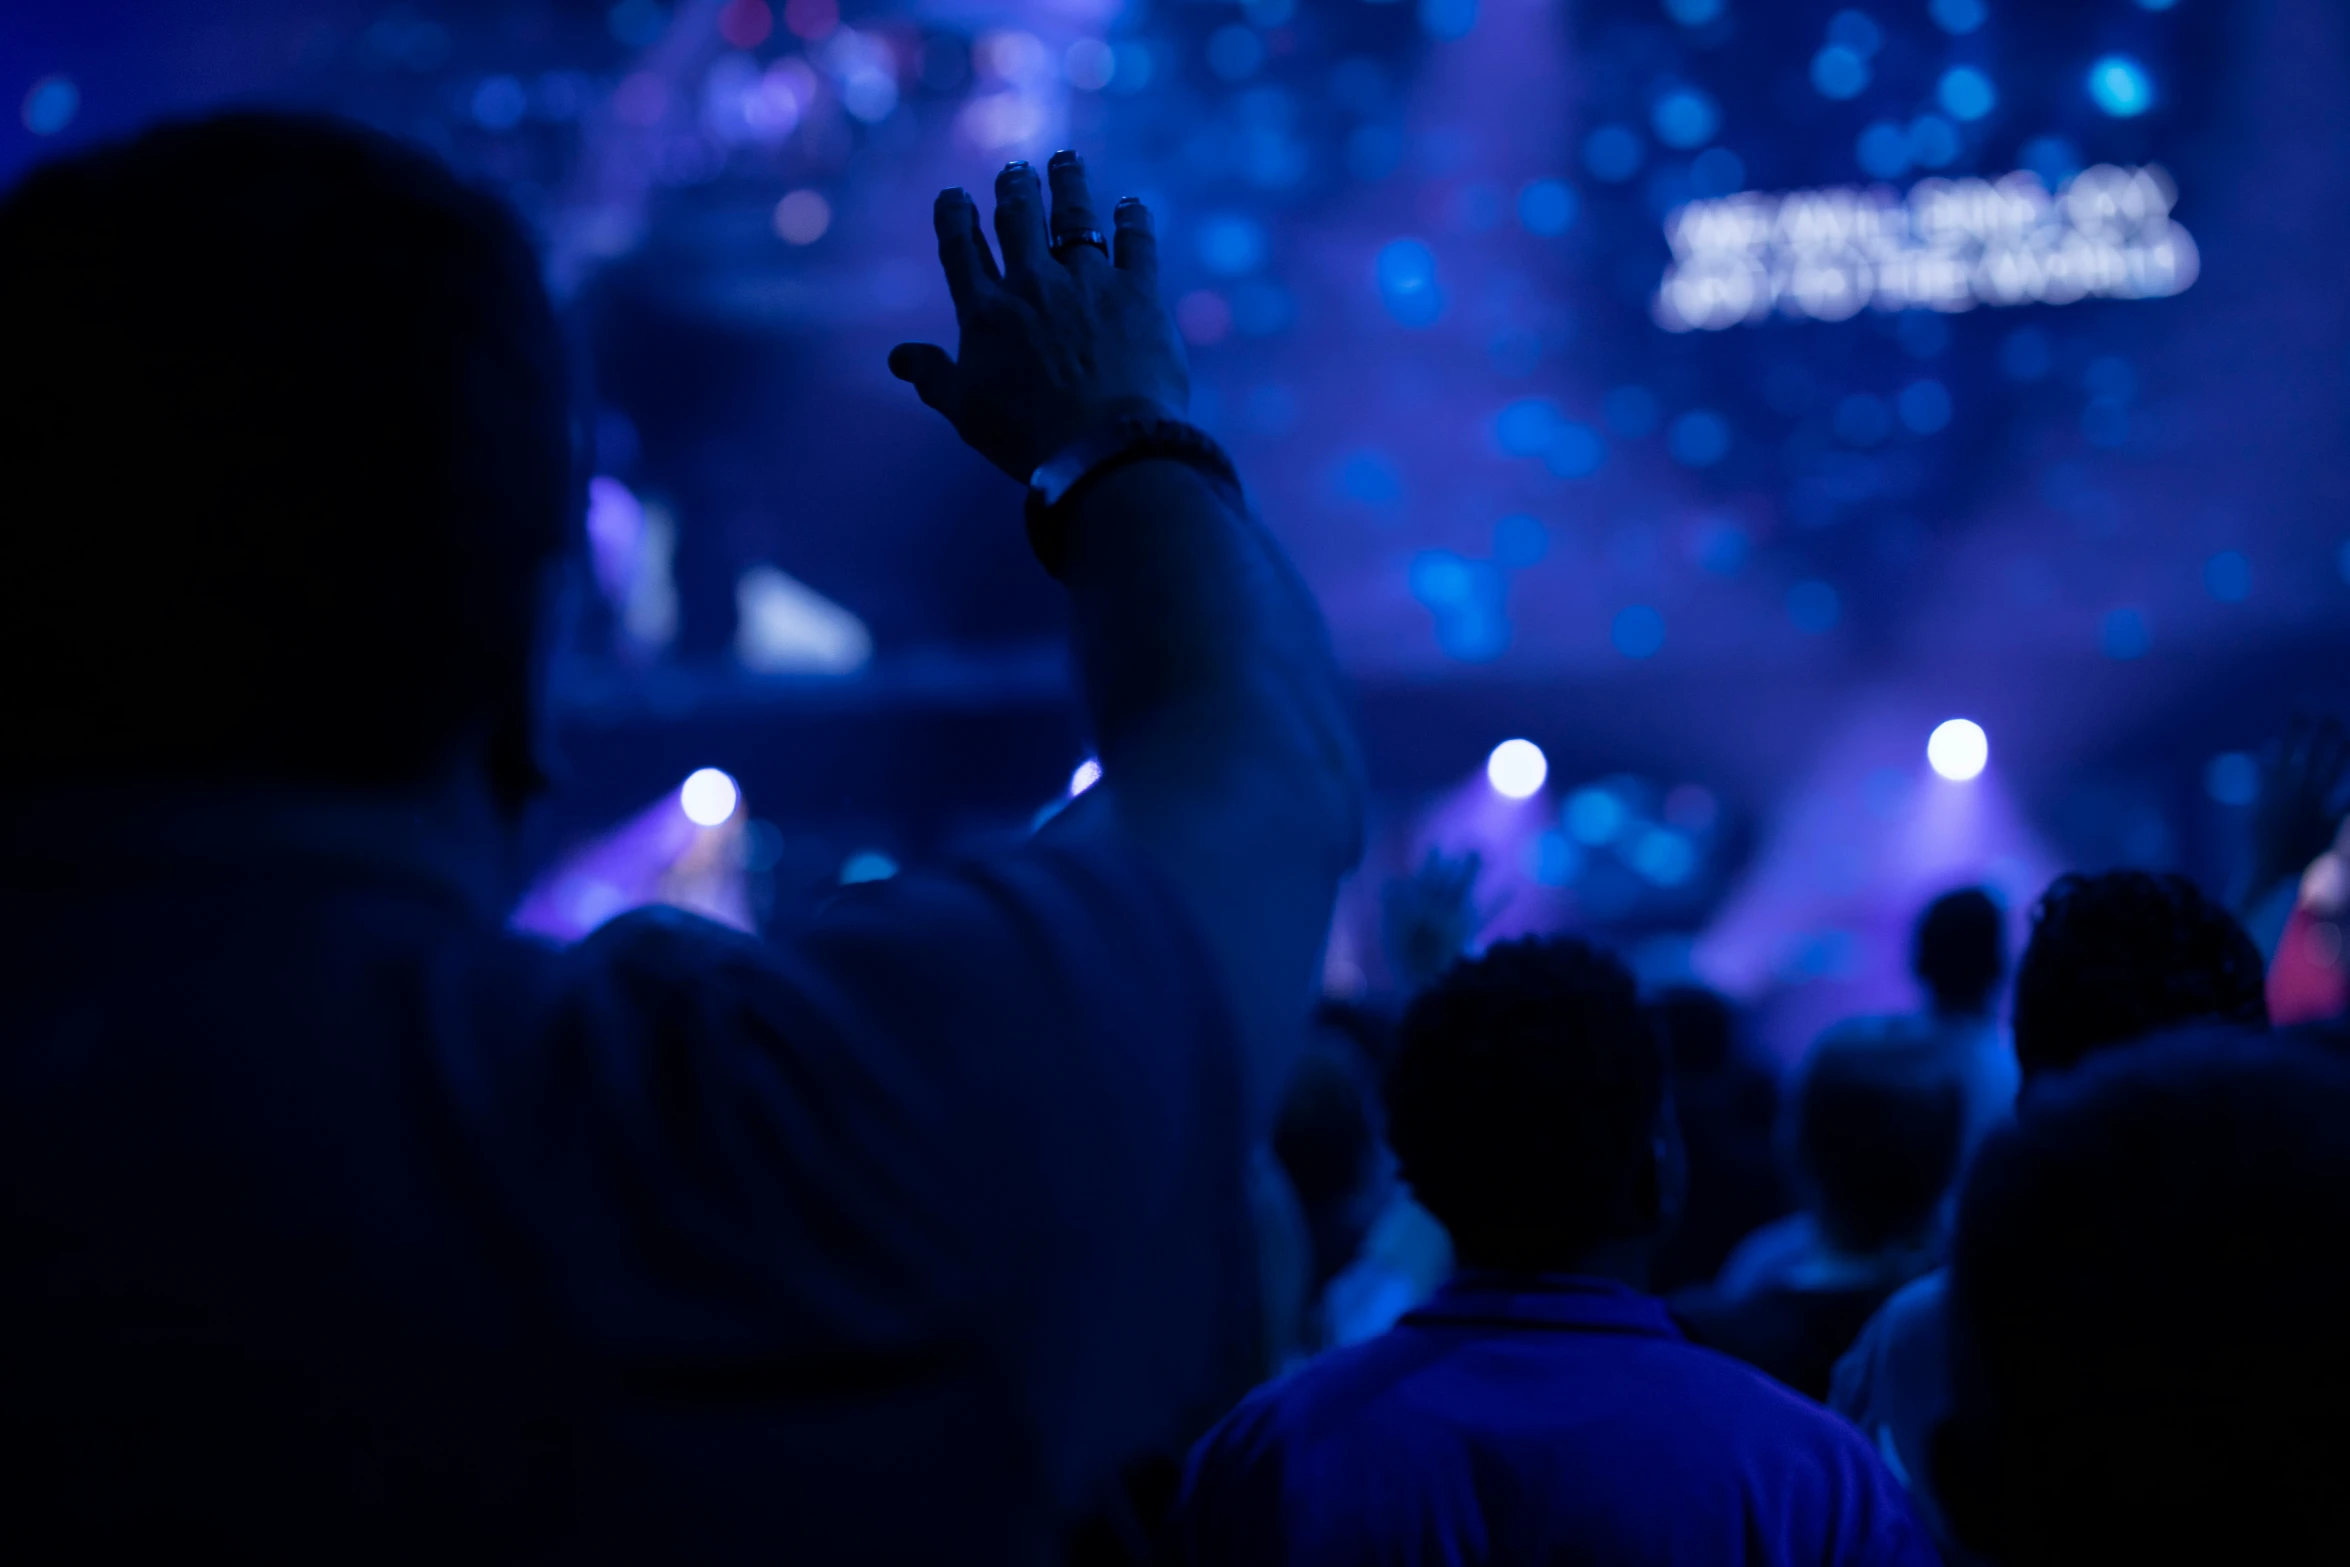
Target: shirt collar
{"x": 1557, "y": 1301}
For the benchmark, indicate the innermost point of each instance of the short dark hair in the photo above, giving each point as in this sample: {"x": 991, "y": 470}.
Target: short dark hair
{"x": 1525, "y": 1099}
{"x": 287, "y": 432}
{"x": 1960, "y": 951}
{"x": 2148, "y": 1292}
{"x": 2123, "y": 955}
{"x": 1877, "y": 1129}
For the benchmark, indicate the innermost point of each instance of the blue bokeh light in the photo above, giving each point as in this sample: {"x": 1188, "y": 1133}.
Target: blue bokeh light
{"x": 1664, "y": 857}
{"x": 499, "y": 103}
{"x": 1693, "y": 13}
{"x": 1613, "y": 153}
{"x": 1959, "y": 17}
{"x": 1576, "y": 451}
{"x": 1933, "y": 142}
{"x": 1448, "y": 19}
{"x": 1840, "y": 73}
{"x": 1925, "y": 407}
{"x": 1699, "y": 438}
{"x": 2125, "y": 635}
{"x": 51, "y": 105}
{"x": 1857, "y": 31}
{"x": 1231, "y": 244}
{"x": 1884, "y": 150}
{"x": 1526, "y": 427}
{"x": 2232, "y": 778}
{"x": 1236, "y": 52}
{"x": 1594, "y": 816}
{"x": 1685, "y": 118}
{"x": 1966, "y": 93}
{"x": 1717, "y": 171}
{"x": 1547, "y": 206}
{"x": 1520, "y": 541}
{"x": 1815, "y": 607}
{"x": 2227, "y": 577}
{"x": 1406, "y": 271}
{"x": 1638, "y": 631}
{"x": 2120, "y": 86}
{"x": 2053, "y": 158}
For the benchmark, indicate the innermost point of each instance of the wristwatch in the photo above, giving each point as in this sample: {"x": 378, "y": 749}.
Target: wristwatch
{"x": 1138, "y": 432}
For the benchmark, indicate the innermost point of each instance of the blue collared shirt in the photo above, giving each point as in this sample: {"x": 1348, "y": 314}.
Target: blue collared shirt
{"x": 1538, "y": 1420}
{"x": 341, "y": 1223}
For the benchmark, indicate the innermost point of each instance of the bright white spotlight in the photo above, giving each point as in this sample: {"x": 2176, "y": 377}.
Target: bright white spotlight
{"x": 1089, "y": 773}
{"x": 1516, "y": 769}
{"x": 1959, "y": 750}
{"x": 709, "y": 797}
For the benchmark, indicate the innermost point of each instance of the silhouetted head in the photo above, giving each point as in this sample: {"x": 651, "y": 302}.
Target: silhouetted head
{"x": 1877, "y": 1125}
{"x": 1960, "y": 953}
{"x": 2120, "y": 956}
{"x": 1527, "y": 1106}
{"x": 2148, "y": 1292}
{"x": 287, "y": 440}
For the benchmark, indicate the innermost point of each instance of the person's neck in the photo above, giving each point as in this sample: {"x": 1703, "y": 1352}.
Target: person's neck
{"x": 1623, "y": 1262}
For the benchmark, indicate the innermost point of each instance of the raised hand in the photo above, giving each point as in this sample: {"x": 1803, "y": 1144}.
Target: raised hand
{"x": 1059, "y": 334}
{"x": 2304, "y": 793}
{"x": 1428, "y": 919}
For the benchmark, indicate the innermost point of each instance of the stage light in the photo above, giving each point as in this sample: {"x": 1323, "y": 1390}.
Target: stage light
{"x": 1517, "y": 769}
{"x": 2120, "y": 86}
{"x": 709, "y": 797}
{"x": 1089, "y": 773}
{"x": 1959, "y": 750}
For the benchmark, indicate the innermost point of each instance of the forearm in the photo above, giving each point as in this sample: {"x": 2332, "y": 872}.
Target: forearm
{"x": 1208, "y": 677}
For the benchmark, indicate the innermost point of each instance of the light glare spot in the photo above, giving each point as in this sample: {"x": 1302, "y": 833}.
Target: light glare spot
{"x": 1959, "y": 750}
{"x": 709, "y": 797}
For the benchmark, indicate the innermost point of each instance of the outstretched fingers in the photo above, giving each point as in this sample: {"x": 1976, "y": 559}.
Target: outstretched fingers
{"x": 1138, "y": 242}
{"x": 1019, "y": 221}
{"x": 962, "y": 250}
{"x": 1076, "y": 228}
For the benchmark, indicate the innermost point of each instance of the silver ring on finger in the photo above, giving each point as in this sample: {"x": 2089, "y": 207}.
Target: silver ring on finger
{"x": 1063, "y": 243}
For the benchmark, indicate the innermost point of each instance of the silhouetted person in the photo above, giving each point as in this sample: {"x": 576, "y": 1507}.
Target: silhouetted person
{"x": 2148, "y": 1294}
{"x": 1877, "y": 1126}
{"x": 1728, "y": 1105}
{"x": 341, "y": 1223}
{"x": 1327, "y": 1139}
{"x": 1959, "y": 955}
{"x": 1542, "y": 1407}
{"x": 2113, "y": 959}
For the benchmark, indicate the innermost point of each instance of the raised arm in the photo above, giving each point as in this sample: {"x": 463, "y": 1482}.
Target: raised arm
{"x": 1227, "y": 757}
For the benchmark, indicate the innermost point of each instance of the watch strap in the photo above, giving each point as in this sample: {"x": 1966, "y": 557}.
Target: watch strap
{"x": 1137, "y": 433}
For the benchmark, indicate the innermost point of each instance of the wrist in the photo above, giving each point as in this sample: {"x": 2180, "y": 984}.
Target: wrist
{"x": 1123, "y": 434}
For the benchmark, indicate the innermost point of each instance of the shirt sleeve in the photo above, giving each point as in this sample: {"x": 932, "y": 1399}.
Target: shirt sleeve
{"x": 998, "y": 1110}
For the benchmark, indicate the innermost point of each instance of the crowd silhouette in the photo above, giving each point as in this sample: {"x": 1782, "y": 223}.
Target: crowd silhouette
{"x": 1029, "y": 1210}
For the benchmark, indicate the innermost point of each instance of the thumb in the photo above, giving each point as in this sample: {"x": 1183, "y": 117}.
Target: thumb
{"x": 930, "y": 371}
